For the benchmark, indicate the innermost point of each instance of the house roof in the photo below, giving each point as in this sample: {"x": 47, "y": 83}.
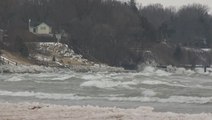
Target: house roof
{"x": 35, "y": 24}
{"x": 44, "y": 24}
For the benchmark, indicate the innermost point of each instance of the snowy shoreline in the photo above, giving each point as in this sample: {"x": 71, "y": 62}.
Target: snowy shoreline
{"x": 40, "y": 69}
{"x": 34, "y": 111}
{"x": 100, "y": 68}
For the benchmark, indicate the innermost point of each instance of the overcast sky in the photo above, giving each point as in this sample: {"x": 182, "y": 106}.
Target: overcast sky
{"x": 176, "y": 3}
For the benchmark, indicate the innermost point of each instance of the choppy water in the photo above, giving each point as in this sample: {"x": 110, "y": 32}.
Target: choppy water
{"x": 182, "y": 91}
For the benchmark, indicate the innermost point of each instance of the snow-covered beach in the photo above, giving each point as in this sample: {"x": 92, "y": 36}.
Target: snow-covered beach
{"x": 35, "y": 111}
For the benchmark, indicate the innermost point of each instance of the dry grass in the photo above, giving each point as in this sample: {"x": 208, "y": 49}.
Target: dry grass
{"x": 16, "y": 58}
{"x": 68, "y": 61}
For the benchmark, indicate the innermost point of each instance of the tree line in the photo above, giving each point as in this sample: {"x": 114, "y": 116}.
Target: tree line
{"x": 110, "y": 31}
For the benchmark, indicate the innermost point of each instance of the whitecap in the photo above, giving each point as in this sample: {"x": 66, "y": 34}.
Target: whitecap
{"x": 40, "y": 95}
{"x": 92, "y": 77}
{"x": 150, "y": 71}
{"x": 62, "y": 78}
{"x": 155, "y": 82}
{"x": 15, "y": 79}
{"x": 100, "y": 84}
{"x": 107, "y": 84}
{"x": 149, "y": 93}
{"x": 171, "y": 99}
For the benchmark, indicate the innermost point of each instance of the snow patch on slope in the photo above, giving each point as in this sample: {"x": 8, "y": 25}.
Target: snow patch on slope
{"x": 47, "y": 50}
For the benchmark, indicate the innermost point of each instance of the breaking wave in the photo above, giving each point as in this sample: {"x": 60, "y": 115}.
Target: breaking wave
{"x": 148, "y": 97}
{"x": 15, "y": 79}
{"x": 171, "y": 99}
{"x": 39, "y": 95}
{"x": 150, "y": 70}
{"x": 107, "y": 84}
{"x": 156, "y": 82}
{"x": 170, "y": 70}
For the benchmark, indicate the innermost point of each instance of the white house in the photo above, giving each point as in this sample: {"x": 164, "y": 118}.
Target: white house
{"x": 40, "y": 29}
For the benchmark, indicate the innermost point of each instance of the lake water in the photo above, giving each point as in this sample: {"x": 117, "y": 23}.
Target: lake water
{"x": 182, "y": 91}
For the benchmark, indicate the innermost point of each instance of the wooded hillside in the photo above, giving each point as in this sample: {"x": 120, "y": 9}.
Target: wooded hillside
{"x": 110, "y": 31}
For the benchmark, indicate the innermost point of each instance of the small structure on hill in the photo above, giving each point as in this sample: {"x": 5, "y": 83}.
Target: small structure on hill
{"x": 58, "y": 36}
{"x": 40, "y": 28}
{"x": 61, "y": 35}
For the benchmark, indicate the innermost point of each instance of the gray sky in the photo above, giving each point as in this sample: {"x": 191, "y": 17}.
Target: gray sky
{"x": 175, "y": 3}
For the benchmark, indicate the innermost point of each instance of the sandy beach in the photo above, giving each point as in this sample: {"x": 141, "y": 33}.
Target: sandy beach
{"x": 36, "y": 111}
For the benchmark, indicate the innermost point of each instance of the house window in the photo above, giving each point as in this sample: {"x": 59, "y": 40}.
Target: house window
{"x": 43, "y": 28}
